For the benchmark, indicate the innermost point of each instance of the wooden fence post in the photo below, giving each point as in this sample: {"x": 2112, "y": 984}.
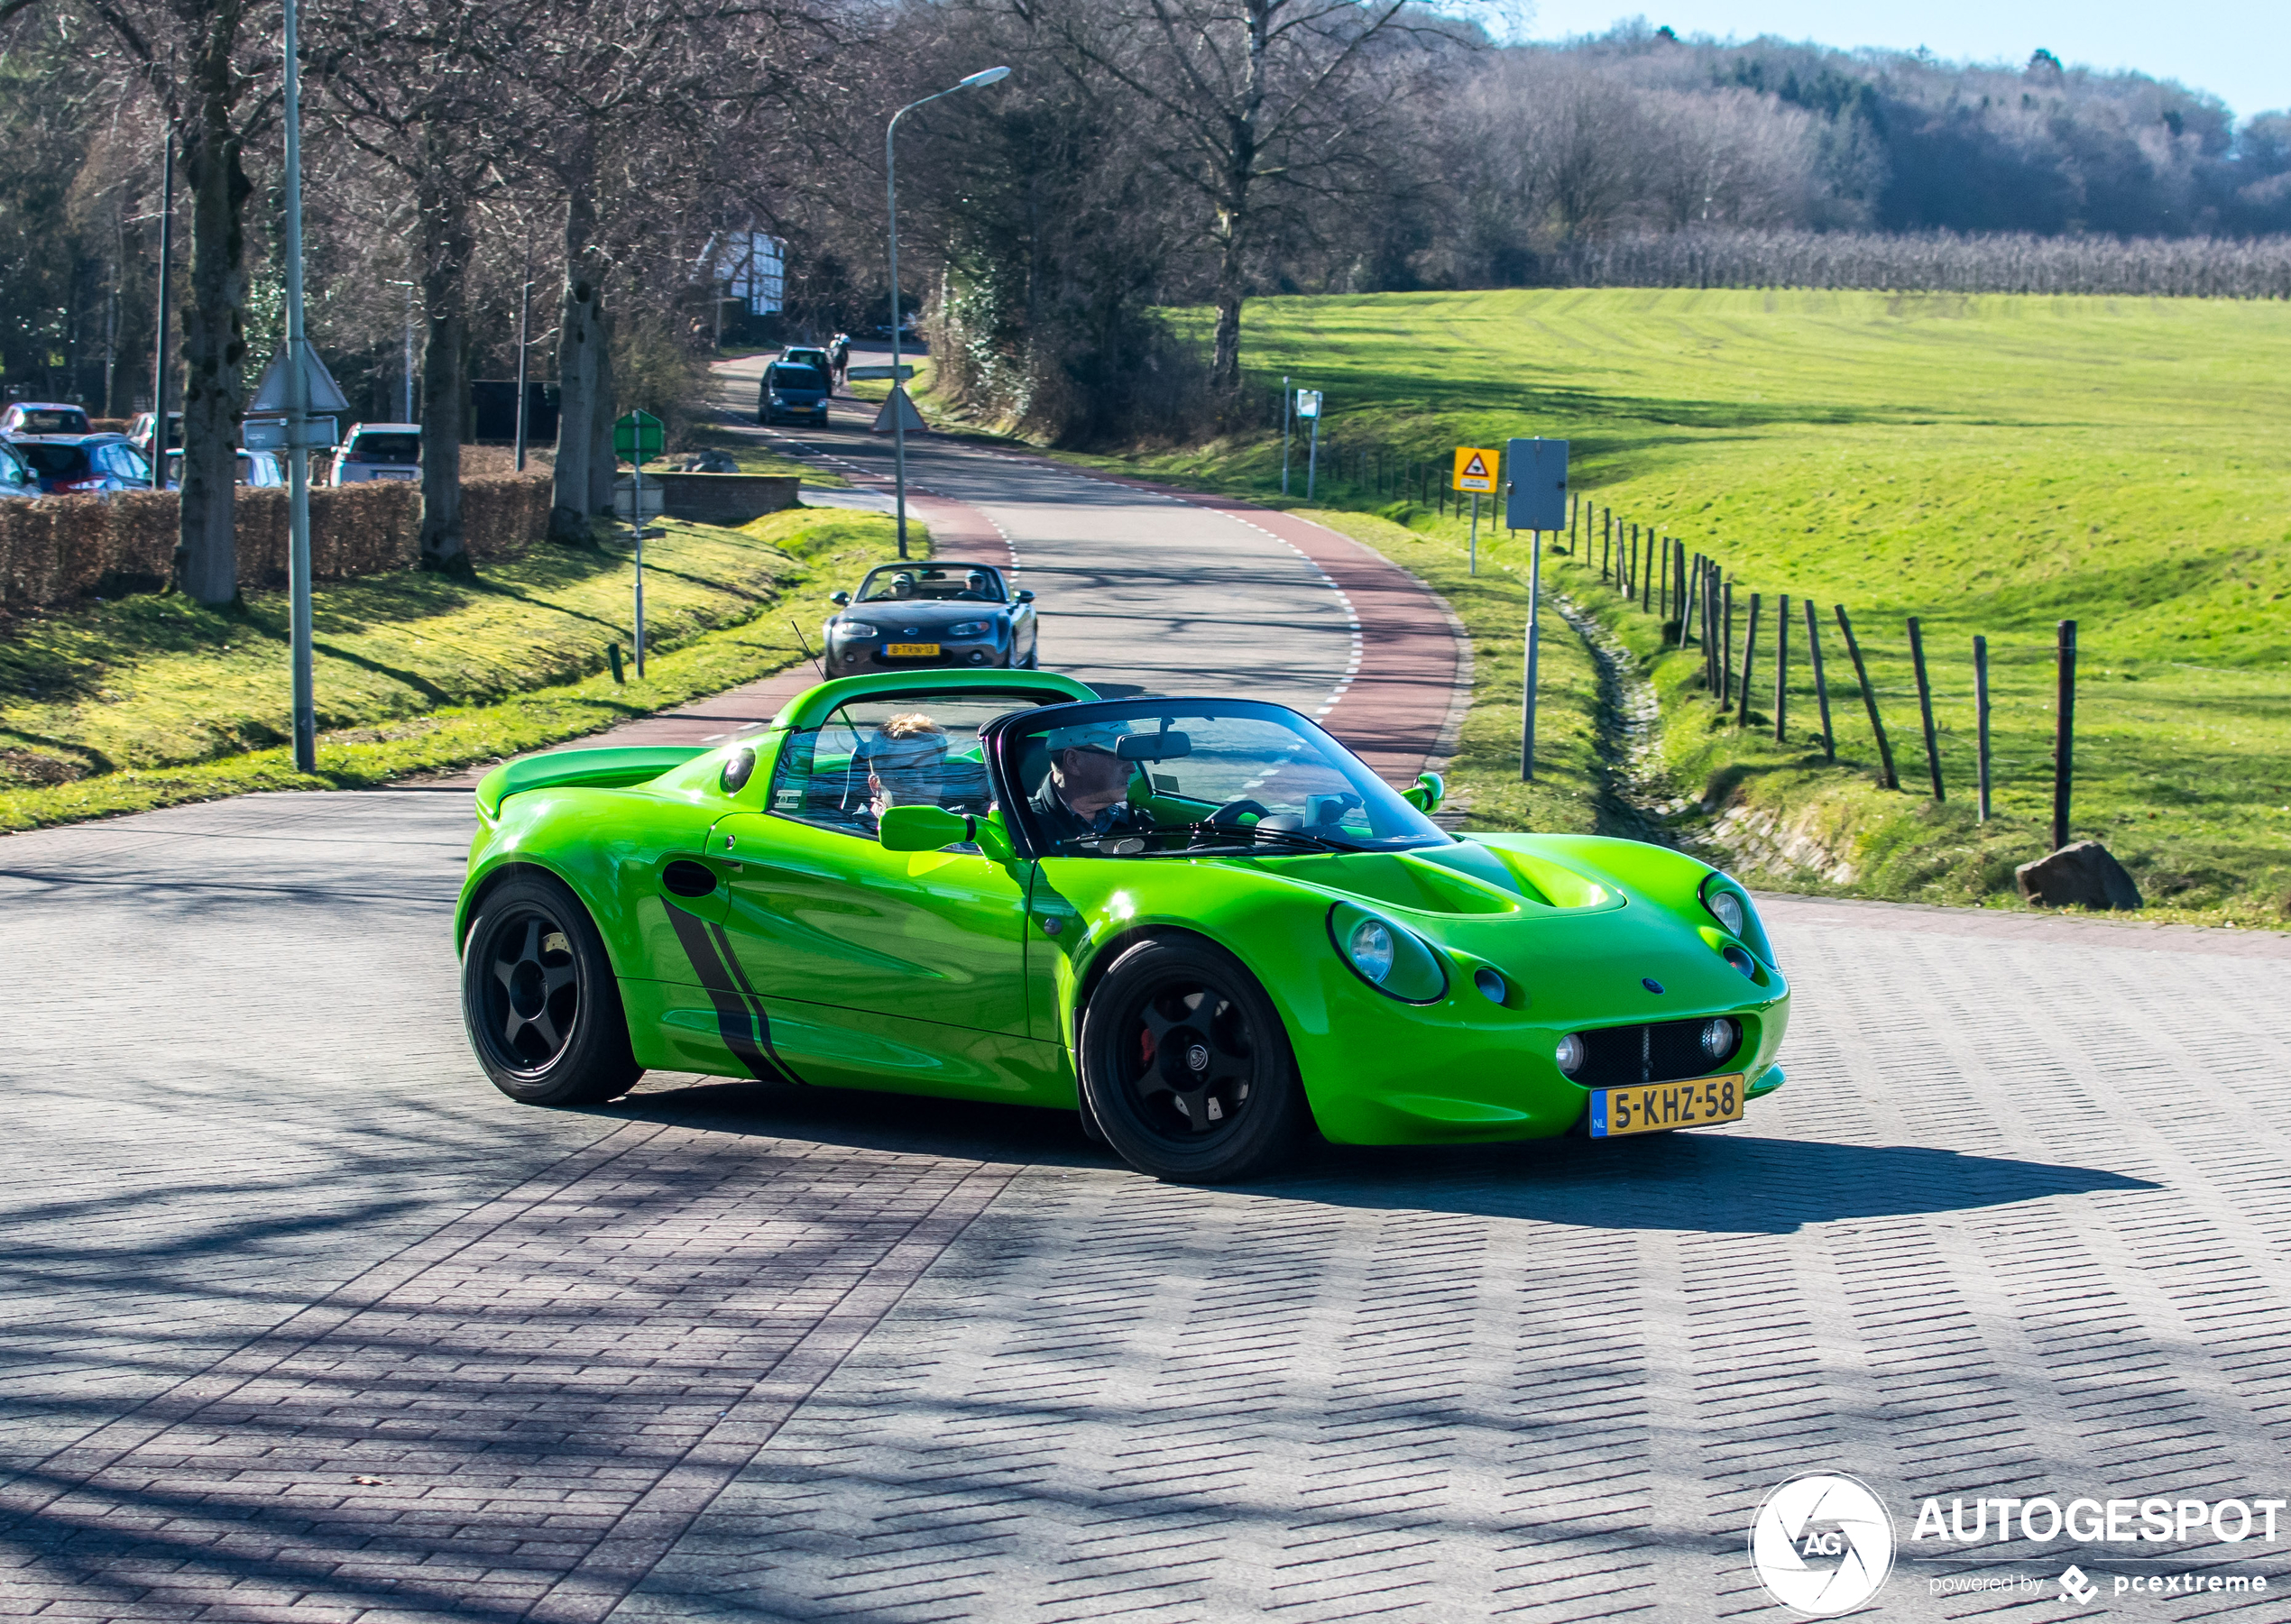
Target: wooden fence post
{"x": 1887, "y": 779}
{"x": 1748, "y": 661}
{"x": 1782, "y": 668}
{"x": 1646, "y": 572}
{"x": 1821, "y": 683}
{"x": 1925, "y": 708}
{"x": 2064, "y": 735}
{"x": 1980, "y": 718}
{"x": 1690, "y": 603}
{"x": 1726, "y": 653}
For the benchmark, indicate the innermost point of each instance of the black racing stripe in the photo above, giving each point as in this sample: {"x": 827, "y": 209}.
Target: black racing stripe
{"x": 755, "y": 1001}
{"x": 735, "y": 1021}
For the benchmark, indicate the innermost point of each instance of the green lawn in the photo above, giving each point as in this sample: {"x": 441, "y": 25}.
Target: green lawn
{"x": 147, "y": 700}
{"x": 1990, "y": 464}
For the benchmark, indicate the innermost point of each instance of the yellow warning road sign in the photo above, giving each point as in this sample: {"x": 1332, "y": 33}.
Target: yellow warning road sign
{"x": 1474, "y": 469}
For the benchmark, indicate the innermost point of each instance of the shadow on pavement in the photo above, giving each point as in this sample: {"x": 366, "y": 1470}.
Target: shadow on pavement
{"x": 1709, "y": 1183}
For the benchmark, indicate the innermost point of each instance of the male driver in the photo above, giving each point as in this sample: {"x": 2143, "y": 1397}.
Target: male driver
{"x": 1087, "y": 792}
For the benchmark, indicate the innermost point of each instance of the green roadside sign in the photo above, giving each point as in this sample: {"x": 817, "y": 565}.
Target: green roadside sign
{"x": 637, "y": 436}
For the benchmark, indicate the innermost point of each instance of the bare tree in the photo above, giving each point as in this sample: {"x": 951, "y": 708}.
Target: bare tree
{"x": 1247, "y": 100}
{"x": 203, "y": 65}
{"x": 418, "y": 84}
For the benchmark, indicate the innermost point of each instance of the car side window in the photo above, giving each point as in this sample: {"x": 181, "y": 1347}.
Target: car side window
{"x": 907, "y": 749}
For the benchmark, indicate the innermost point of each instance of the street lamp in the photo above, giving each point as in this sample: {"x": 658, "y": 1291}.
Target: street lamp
{"x": 891, "y": 188}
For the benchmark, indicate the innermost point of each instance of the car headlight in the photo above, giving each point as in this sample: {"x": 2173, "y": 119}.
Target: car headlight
{"x": 1394, "y": 961}
{"x": 969, "y": 628}
{"x": 1370, "y": 947}
{"x": 1571, "y": 1054}
{"x": 1718, "y": 1040}
{"x": 856, "y": 629}
{"x": 1726, "y": 908}
{"x": 1726, "y": 902}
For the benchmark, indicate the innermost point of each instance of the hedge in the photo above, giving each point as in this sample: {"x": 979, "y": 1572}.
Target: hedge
{"x": 57, "y": 548}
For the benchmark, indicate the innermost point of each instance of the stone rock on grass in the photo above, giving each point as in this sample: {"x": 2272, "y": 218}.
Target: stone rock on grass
{"x": 2085, "y": 875}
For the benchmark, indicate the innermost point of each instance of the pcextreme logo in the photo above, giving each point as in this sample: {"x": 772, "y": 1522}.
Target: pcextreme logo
{"x": 1822, "y": 1543}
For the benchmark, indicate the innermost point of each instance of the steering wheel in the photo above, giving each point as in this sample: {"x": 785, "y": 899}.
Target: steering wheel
{"x": 1229, "y": 814}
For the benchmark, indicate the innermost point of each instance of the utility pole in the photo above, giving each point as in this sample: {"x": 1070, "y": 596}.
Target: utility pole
{"x": 298, "y": 428}
{"x": 524, "y": 334}
{"x": 159, "y": 349}
{"x": 891, "y": 193}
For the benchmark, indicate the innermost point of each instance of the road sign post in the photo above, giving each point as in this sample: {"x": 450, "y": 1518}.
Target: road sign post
{"x": 1527, "y": 679}
{"x": 637, "y": 436}
{"x": 1476, "y": 468}
{"x": 1309, "y": 407}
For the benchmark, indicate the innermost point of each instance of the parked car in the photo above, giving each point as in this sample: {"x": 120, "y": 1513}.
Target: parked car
{"x": 906, "y": 615}
{"x": 84, "y": 464}
{"x": 258, "y": 469}
{"x": 811, "y": 355}
{"x": 378, "y": 451}
{"x": 16, "y": 478}
{"x": 792, "y": 391}
{"x": 140, "y": 432}
{"x": 43, "y": 417}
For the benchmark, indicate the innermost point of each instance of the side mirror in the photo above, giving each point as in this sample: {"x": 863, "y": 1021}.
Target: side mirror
{"x": 1026, "y": 597}
{"x": 840, "y": 600}
{"x": 1426, "y": 793}
{"x": 924, "y": 829}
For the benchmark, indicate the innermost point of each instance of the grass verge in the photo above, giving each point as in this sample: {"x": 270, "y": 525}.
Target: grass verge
{"x": 1992, "y": 465}
{"x": 1569, "y": 789}
{"x": 147, "y": 701}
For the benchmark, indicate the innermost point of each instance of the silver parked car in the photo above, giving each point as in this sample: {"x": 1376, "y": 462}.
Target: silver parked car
{"x": 378, "y": 451}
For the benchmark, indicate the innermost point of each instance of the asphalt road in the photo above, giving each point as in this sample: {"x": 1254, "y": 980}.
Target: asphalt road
{"x": 1133, "y": 587}
{"x": 303, "y": 1321}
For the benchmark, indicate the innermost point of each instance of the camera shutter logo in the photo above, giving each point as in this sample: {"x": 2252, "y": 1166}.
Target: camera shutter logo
{"x": 1822, "y": 1543}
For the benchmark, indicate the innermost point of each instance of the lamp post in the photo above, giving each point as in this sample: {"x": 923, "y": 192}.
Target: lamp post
{"x": 891, "y": 190}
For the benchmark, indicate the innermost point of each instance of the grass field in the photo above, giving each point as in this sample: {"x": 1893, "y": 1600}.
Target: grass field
{"x": 148, "y": 700}
{"x": 1990, "y": 464}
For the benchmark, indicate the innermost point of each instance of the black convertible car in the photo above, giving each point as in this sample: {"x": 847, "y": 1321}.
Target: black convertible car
{"x": 912, "y": 614}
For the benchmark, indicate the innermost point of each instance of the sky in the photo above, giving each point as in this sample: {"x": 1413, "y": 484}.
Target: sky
{"x": 2238, "y": 50}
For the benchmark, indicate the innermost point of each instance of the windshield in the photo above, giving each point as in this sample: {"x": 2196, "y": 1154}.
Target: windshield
{"x": 53, "y": 460}
{"x": 385, "y": 448}
{"x": 945, "y": 583}
{"x": 1169, "y": 777}
{"x": 53, "y": 420}
{"x": 797, "y": 376}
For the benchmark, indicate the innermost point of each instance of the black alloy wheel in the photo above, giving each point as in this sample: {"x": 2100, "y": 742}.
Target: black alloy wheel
{"x": 539, "y": 1000}
{"x": 1186, "y": 1066}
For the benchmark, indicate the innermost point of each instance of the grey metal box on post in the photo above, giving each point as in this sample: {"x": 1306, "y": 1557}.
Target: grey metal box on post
{"x": 1538, "y": 497}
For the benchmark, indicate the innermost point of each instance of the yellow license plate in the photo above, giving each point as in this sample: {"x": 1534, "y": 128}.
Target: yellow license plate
{"x": 900, "y": 651}
{"x": 1658, "y": 1107}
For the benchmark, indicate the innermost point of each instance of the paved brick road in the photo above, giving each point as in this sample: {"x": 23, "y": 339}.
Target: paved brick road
{"x": 2020, "y": 1224}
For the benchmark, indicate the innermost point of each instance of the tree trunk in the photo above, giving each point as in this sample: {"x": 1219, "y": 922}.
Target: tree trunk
{"x": 604, "y": 464}
{"x": 580, "y": 352}
{"x": 447, "y": 244}
{"x": 1225, "y": 370}
{"x": 214, "y": 326}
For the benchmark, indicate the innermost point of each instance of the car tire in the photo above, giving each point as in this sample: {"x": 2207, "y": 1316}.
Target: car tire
{"x": 1186, "y": 1068}
{"x": 539, "y": 1000}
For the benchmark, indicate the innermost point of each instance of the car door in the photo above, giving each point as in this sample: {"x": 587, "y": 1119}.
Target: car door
{"x": 876, "y": 967}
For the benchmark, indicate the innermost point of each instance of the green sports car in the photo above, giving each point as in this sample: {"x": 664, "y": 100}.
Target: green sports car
{"x": 1203, "y": 924}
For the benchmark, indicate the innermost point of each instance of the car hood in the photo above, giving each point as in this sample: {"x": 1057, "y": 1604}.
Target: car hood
{"x": 924, "y": 616}
{"x": 1589, "y": 936}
